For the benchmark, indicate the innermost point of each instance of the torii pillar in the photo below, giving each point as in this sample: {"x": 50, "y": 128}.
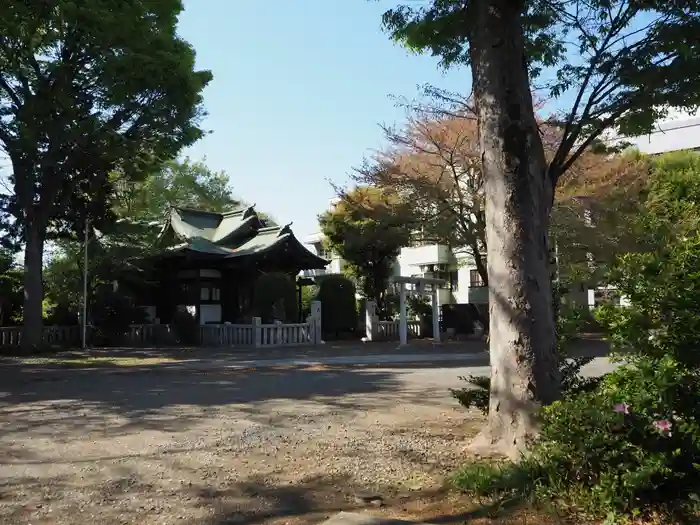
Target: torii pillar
{"x": 419, "y": 283}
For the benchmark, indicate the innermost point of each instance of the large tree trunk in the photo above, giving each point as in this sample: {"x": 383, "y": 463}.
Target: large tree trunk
{"x": 518, "y": 201}
{"x": 32, "y": 330}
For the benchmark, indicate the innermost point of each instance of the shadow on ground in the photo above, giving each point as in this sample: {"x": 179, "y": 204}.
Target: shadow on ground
{"x": 51, "y": 401}
{"x": 313, "y": 502}
{"x": 63, "y": 402}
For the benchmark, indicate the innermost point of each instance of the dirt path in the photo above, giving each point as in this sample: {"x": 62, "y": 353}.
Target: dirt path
{"x": 278, "y": 446}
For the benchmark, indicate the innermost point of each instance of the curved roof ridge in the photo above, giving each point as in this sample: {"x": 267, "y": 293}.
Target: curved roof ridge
{"x": 222, "y": 234}
{"x": 242, "y": 210}
{"x": 194, "y": 210}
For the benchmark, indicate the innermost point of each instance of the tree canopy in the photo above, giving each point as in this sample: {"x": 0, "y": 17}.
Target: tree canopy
{"x": 10, "y": 288}
{"x": 432, "y": 161}
{"x": 623, "y": 63}
{"x": 433, "y": 164}
{"x": 190, "y": 184}
{"x": 367, "y": 228}
{"x": 87, "y": 87}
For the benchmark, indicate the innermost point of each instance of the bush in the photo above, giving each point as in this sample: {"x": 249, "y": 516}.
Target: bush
{"x": 418, "y": 306}
{"x": 275, "y": 298}
{"x": 631, "y": 447}
{"x": 390, "y": 309}
{"x": 112, "y": 314}
{"x": 337, "y": 296}
{"x": 60, "y": 315}
{"x": 185, "y": 327}
{"x": 308, "y": 294}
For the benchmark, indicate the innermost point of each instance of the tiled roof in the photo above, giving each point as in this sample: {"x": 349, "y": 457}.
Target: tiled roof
{"x": 231, "y": 234}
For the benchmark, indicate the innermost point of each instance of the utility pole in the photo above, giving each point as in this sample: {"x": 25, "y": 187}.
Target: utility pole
{"x": 85, "y": 285}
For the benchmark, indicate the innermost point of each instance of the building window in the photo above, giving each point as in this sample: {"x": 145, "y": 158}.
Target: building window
{"x": 475, "y": 279}
{"x": 209, "y": 293}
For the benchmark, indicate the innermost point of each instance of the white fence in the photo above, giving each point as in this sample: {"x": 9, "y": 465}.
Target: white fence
{"x": 287, "y": 334}
{"x": 137, "y": 334}
{"x": 390, "y": 329}
{"x": 261, "y": 335}
{"x": 254, "y": 335}
{"x": 226, "y": 335}
{"x": 10, "y": 335}
{"x": 146, "y": 334}
{"x": 53, "y": 335}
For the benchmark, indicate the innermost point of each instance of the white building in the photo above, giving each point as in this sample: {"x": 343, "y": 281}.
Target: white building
{"x": 464, "y": 285}
{"x": 678, "y": 132}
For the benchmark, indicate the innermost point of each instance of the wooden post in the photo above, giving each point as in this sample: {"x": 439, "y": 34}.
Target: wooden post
{"x": 436, "y": 315}
{"x": 257, "y": 332}
{"x": 300, "y": 314}
{"x": 371, "y": 320}
{"x": 316, "y": 316}
{"x": 403, "y": 324}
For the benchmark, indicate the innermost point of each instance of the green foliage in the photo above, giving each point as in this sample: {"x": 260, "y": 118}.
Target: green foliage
{"x": 389, "y": 309}
{"x": 11, "y": 288}
{"x": 106, "y": 85}
{"x": 185, "y": 327}
{"x": 275, "y": 298}
{"x": 638, "y": 204}
{"x": 176, "y": 183}
{"x": 664, "y": 289}
{"x": 112, "y": 314}
{"x": 622, "y": 62}
{"x": 418, "y": 306}
{"x": 308, "y": 294}
{"x": 87, "y": 89}
{"x": 672, "y": 199}
{"x": 338, "y": 308}
{"x": 631, "y": 446}
{"x": 368, "y": 228}
{"x": 59, "y": 314}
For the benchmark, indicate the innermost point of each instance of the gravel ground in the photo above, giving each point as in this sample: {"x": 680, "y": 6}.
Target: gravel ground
{"x": 268, "y": 446}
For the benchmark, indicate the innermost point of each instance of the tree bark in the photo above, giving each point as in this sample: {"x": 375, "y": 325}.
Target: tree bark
{"x": 33, "y": 326}
{"x": 518, "y": 202}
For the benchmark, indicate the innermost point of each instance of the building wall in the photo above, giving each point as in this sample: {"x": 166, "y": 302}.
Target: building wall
{"x": 680, "y": 132}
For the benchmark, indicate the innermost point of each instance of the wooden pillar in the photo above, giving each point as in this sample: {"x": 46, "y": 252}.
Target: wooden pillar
{"x": 198, "y": 301}
{"x": 403, "y": 321}
{"x": 300, "y": 314}
{"x": 436, "y": 314}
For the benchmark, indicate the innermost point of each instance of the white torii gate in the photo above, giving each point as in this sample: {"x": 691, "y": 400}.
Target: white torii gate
{"x": 419, "y": 286}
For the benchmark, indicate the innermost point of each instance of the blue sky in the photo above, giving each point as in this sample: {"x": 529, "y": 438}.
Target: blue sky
{"x": 299, "y": 89}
